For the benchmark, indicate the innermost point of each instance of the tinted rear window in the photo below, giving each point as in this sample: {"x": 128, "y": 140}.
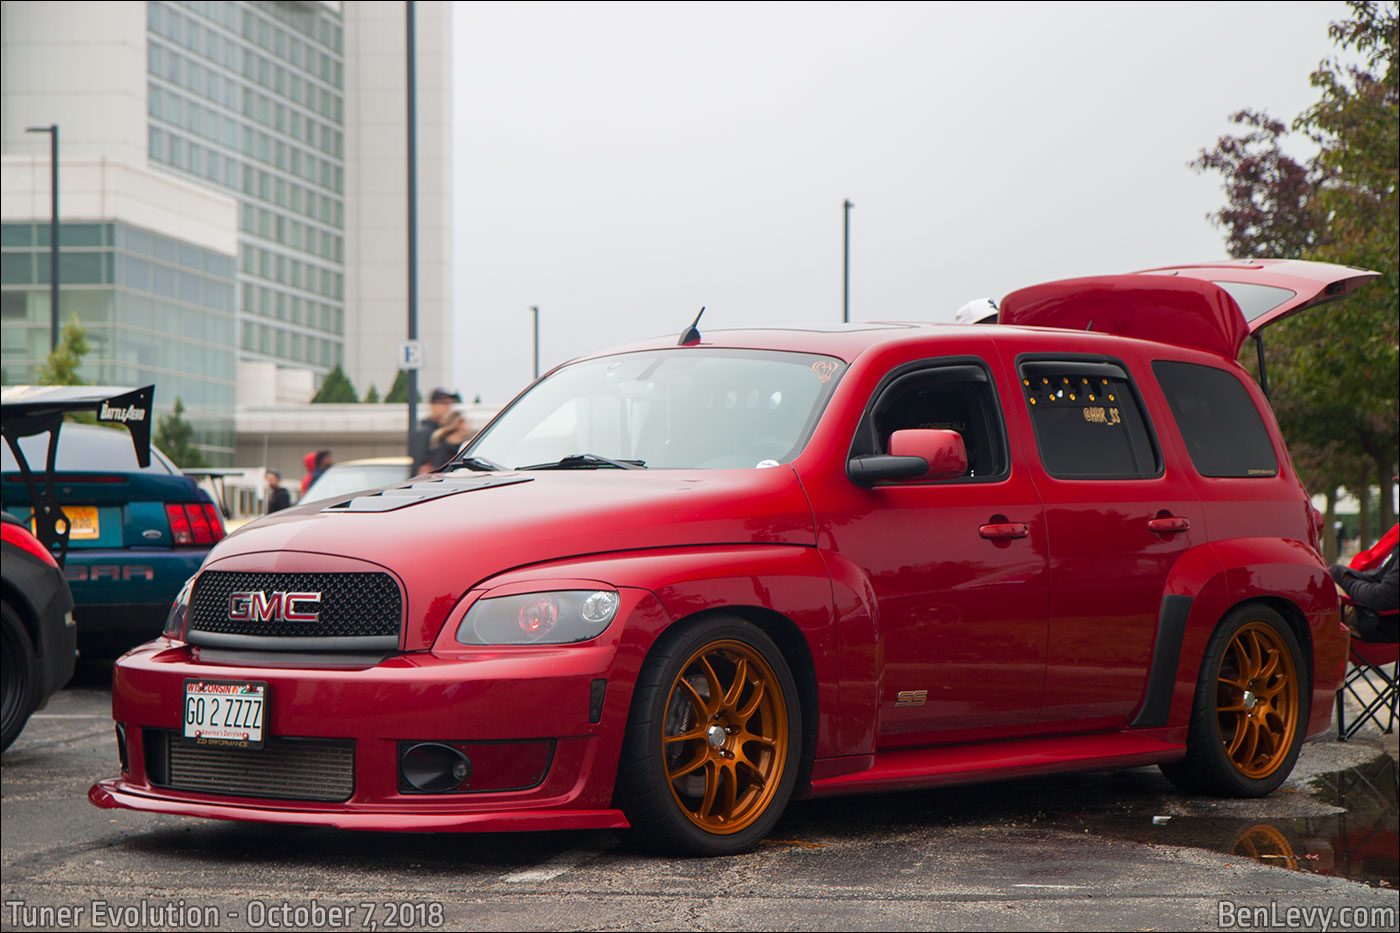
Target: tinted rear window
{"x": 86, "y": 449}
{"x": 1223, "y": 431}
{"x": 1088, "y": 423}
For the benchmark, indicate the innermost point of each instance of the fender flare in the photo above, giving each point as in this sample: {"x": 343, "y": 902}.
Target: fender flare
{"x": 1208, "y": 581}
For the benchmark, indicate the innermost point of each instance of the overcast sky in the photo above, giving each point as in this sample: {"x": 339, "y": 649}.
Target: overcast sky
{"x": 620, "y": 165}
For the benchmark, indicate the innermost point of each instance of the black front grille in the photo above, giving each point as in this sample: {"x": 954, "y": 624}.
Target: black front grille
{"x": 283, "y": 769}
{"x": 353, "y": 605}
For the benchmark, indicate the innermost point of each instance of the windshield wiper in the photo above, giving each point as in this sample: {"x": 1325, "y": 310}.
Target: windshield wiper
{"x": 479, "y": 464}
{"x": 586, "y": 462}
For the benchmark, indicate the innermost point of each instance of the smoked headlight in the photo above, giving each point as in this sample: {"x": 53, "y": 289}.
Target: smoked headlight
{"x": 175, "y": 619}
{"x": 553, "y": 618}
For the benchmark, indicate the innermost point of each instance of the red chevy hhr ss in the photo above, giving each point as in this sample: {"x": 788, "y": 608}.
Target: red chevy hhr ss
{"x": 672, "y": 586}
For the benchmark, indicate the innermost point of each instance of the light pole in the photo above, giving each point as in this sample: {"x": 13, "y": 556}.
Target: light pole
{"x": 52, "y": 130}
{"x": 535, "y": 310}
{"x": 411, "y": 120}
{"x": 846, "y": 262}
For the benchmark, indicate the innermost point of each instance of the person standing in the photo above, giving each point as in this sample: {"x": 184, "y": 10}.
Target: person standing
{"x": 278, "y": 497}
{"x": 439, "y": 407}
{"x": 447, "y": 440}
{"x": 322, "y": 463}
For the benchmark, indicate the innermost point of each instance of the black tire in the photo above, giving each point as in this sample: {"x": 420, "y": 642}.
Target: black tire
{"x": 19, "y": 675}
{"x": 746, "y": 770}
{"x": 1250, "y": 713}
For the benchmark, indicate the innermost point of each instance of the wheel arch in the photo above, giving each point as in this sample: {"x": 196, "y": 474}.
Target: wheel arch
{"x": 25, "y": 609}
{"x": 1286, "y": 576}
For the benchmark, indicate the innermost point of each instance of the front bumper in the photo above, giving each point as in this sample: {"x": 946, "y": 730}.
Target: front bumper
{"x": 484, "y": 695}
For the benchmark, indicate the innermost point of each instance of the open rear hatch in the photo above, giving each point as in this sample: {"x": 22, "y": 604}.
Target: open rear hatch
{"x": 1211, "y": 305}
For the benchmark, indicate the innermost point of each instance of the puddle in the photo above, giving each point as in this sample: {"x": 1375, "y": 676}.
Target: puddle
{"x": 1362, "y": 844}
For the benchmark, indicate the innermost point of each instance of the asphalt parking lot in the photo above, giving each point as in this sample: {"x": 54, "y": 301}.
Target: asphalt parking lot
{"x": 1120, "y": 851}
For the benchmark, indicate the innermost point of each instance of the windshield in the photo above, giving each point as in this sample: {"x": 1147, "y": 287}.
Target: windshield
{"x": 686, "y": 408}
{"x": 354, "y": 477}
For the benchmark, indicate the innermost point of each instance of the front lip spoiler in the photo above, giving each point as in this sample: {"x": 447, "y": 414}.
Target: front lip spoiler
{"x": 109, "y": 794}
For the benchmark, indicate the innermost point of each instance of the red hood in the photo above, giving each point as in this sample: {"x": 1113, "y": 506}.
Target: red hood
{"x": 442, "y": 547}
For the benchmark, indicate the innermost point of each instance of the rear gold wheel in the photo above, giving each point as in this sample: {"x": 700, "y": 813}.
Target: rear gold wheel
{"x": 1257, "y": 699}
{"x": 1250, "y": 711}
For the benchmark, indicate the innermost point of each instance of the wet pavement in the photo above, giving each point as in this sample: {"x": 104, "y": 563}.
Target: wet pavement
{"x": 1111, "y": 851}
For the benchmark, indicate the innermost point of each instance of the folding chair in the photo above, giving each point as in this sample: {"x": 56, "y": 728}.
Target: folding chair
{"x": 1367, "y": 679}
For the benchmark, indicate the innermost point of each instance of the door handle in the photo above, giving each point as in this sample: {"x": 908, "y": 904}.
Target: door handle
{"x": 1004, "y": 531}
{"x": 1168, "y": 525}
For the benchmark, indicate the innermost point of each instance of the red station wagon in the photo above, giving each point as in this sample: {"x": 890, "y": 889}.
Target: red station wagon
{"x": 672, "y": 586}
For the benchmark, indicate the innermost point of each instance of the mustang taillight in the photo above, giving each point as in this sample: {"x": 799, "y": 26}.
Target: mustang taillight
{"x": 194, "y": 525}
{"x": 179, "y": 525}
{"x": 216, "y": 521}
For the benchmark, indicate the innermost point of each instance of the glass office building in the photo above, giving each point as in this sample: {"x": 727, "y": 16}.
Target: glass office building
{"x": 249, "y": 98}
{"x": 156, "y": 310}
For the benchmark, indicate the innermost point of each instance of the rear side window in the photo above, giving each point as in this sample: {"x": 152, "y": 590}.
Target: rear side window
{"x": 1088, "y": 422}
{"x": 1223, "y": 431}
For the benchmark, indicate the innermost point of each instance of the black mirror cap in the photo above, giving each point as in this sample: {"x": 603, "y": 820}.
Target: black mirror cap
{"x": 869, "y": 469}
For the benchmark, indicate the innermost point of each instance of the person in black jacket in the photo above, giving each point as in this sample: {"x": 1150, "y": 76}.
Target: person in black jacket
{"x": 1376, "y": 594}
{"x": 277, "y": 495}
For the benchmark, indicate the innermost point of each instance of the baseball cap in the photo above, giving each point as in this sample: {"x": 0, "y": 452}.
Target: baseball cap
{"x": 442, "y": 395}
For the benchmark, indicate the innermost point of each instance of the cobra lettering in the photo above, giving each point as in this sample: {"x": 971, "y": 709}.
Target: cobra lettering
{"x": 257, "y": 606}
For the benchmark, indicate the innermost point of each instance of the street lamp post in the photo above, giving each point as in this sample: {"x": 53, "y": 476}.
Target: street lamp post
{"x": 846, "y": 262}
{"x": 535, "y": 310}
{"x": 52, "y": 130}
{"x": 411, "y": 121}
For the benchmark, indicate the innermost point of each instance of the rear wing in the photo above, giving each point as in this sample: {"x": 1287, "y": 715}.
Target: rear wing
{"x": 30, "y": 410}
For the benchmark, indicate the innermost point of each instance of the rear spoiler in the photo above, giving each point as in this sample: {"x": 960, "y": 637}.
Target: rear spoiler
{"x": 30, "y": 410}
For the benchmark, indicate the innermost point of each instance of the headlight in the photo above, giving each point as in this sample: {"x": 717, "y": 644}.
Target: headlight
{"x": 553, "y": 618}
{"x": 175, "y": 619}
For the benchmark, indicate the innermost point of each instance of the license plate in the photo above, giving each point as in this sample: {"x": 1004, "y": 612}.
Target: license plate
{"x": 222, "y": 712}
{"x": 82, "y": 522}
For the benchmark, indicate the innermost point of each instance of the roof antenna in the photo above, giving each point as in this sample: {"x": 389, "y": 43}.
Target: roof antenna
{"x": 692, "y": 333}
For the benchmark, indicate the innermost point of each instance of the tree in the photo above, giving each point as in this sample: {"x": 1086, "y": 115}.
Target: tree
{"x": 1332, "y": 372}
{"x": 398, "y": 392}
{"x": 61, "y": 368}
{"x": 372, "y": 396}
{"x": 336, "y": 388}
{"x": 175, "y": 438}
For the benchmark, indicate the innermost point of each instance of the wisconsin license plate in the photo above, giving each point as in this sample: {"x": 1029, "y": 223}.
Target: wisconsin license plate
{"x": 222, "y": 712}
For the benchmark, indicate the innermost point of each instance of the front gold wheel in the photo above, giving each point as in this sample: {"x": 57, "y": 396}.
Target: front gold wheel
{"x": 725, "y": 738}
{"x": 714, "y": 739}
{"x": 1257, "y": 700}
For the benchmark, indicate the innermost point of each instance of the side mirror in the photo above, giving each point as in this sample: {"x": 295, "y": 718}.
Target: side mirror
{"x": 944, "y": 451}
{"x": 916, "y": 453}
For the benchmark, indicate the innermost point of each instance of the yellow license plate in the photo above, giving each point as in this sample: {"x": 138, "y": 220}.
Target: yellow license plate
{"x": 82, "y": 522}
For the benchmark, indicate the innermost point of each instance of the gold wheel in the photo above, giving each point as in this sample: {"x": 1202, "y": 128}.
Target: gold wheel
{"x": 1257, "y": 700}
{"x": 725, "y": 737}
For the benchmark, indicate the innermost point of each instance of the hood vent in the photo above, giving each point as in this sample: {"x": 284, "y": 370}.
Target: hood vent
{"x": 424, "y": 490}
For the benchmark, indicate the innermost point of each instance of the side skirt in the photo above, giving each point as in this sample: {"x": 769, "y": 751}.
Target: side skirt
{"x": 907, "y": 769}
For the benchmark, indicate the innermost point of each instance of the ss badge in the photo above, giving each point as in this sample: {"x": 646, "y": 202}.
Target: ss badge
{"x": 910, "y": 698}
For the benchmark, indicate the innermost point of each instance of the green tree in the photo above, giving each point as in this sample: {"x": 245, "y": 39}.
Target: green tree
{"x": 372, "y": 396}
{"x": 336, "y": 388}
{"x": 1332, "y": 371}
{"x": 175, "y": 438}
{"x": 61, "y": 368}
{"x": 398, "y": 392}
